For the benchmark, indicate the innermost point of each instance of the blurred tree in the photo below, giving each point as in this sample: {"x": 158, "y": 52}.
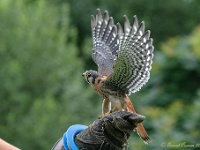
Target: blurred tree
{"x": 40, "y": 74}
{"x": 179, "y": 68}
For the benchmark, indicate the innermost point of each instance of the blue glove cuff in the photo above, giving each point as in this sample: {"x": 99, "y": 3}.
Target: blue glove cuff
{"x": 69, "y": 135}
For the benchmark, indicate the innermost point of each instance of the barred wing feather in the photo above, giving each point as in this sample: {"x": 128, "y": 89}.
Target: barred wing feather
{"x": 135, "y": 54}
{"x": 105, "y": 42}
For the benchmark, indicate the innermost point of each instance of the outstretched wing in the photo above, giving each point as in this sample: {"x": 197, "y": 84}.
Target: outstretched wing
{"x": 105, "y": 42}
{"x": 133, "y": 65}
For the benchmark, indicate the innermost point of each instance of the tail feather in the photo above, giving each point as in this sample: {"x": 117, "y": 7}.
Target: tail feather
{"x": 143, "y": 134}
{"x": 140, "y": 128}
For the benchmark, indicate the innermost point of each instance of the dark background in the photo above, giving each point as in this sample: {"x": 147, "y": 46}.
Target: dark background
{"x": 45, "y": 46}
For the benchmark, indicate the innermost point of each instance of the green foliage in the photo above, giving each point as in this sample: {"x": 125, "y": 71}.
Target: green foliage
{"x": 180, "y": 62}
{"x": 46, "y": 45}
{"x": 40, "y": 74}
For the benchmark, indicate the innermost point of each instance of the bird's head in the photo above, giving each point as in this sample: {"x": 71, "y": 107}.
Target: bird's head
{"x": 90, "y": 76}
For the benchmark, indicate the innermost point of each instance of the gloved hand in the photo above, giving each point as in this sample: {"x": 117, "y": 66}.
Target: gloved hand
{"x": 108, "y": 133}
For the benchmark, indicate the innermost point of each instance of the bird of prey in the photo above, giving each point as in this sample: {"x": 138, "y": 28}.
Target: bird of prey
{"x": 124, "y": 58}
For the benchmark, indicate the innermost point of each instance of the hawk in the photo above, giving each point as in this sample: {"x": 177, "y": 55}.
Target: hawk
{"x": 124, "y": 58}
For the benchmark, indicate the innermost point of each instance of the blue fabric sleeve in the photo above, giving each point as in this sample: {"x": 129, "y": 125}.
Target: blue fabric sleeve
{"x": 69, "y": 135}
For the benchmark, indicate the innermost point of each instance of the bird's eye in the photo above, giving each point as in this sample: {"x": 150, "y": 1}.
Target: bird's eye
{"x": 89, "y": 74}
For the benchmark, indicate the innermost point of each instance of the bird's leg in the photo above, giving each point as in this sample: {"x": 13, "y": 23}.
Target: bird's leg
{"x": 106, "y": 107}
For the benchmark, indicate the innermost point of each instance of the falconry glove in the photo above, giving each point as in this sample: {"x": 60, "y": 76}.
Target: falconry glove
{"x": 108, "y": 133}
